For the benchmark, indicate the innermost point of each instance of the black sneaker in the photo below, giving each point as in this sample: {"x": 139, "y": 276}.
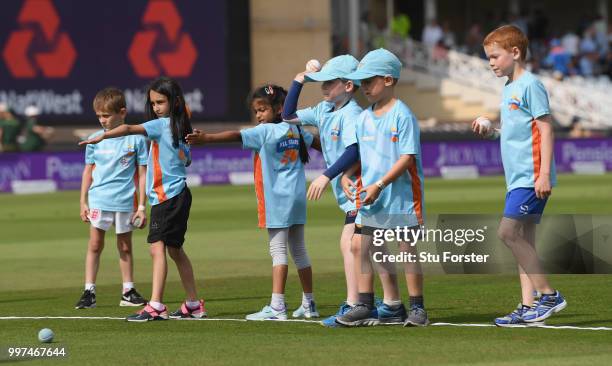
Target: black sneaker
{"x": 132, "y": 298}
{"x": 87, "y": 300}
{"x": 359, "y": 315}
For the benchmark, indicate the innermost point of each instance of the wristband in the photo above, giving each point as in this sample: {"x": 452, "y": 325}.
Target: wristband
{"x": 380, "y": 184}
{"x": 142, "y": 208}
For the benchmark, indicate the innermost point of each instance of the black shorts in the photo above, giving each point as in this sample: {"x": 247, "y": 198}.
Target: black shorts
{"x": 364, "y": 230}
{"x": 169, "y": 220}
{"x": 350, "y": 217}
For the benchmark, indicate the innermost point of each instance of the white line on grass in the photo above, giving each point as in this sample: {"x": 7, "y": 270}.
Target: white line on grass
{"x": 302, "y": 321}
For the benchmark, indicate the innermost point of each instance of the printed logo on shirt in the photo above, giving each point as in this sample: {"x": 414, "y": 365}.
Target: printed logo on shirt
{"x": 125, "y": 161}
{"x": 394, "y": 134}
{"x": 514, "y": 103}
{"x": 129, "y": 150}
{"x": 335, "y": 133}
{"x": 289, "y": 147}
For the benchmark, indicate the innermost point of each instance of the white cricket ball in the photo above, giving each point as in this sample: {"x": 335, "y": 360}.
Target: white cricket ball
{"x": 137, "y": 222}
{"x": 484, "y": 123}
{"x": 45, "y": 335}
{"x": 313, "y": 65}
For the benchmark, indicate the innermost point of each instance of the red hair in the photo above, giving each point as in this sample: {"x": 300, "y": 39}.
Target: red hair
{"x": 507, "y": 37}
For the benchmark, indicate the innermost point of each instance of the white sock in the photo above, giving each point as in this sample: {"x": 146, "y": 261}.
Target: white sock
{"x": 192, "y": 304}
{"x": 91, "y": 287}
{"x": 156, "y": 305}
{"x": 392, "y": 302}
{"x": 307, "y": 298}
{"x": 350, "y": 303}
{"x": 278, "y": 301}
{"x": 127, "y": 286}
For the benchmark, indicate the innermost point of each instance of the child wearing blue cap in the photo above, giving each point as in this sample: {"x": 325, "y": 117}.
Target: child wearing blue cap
{"x": 527, "y": 141}
{"x": 392, "y": 177}
{"x": 335, "y": 118}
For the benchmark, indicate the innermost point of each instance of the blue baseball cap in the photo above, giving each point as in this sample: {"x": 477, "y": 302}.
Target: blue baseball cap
{"x": 336, "y": 68}
{"x": 379, "y": 62}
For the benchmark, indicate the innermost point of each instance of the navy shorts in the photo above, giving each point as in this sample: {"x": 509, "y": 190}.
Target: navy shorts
{"x": 522, "y": 204}
{"x": 350, "y": 217}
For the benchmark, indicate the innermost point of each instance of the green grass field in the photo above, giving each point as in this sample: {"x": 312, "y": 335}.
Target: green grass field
{"x": 43, "y": 243}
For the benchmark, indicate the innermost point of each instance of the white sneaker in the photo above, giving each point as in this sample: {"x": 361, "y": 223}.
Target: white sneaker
{"x": 306, "y": 312}
{"x": 268, "y": 313}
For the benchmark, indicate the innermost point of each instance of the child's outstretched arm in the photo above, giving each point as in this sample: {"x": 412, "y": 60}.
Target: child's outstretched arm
{"x": 542, "y": 187}
{"x": 119, "y": 131}
{"x": 200, "y": 137}
{"x": 373, "y": 190}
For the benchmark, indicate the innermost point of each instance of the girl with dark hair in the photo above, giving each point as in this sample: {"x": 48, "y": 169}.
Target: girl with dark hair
{"x": 280, "y": 187}
{"x": 168, "y": 193}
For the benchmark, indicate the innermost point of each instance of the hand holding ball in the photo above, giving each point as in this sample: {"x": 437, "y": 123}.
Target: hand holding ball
{"x": 313, "y": 65}
{"x": 484, "y": 125}
{"x": 137, "y": 222}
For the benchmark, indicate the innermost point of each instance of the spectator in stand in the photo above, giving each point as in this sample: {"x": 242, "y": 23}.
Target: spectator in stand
{"x": 9, "y": 129}
{"x": 473, "y": 40}
{"x": 34, "y": 136}
{"x": 440, "y": 51}
{"x": 588, "y": 53}
{"x": 432, "y": 33}
{"x": 571, "y": 42}
{"x": 558, "y": 58}
{"x": 450, "y": 41}
{"x": 601, "y": 36}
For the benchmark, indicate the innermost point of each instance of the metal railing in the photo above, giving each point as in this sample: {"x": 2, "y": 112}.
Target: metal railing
{"x": 587, "y": 100}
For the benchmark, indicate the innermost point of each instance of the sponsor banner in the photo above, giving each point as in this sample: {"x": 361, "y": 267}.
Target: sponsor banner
{"x": 233, "y": 165}
{"x": 56, "y": 54}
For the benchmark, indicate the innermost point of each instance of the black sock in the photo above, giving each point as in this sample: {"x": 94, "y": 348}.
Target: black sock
{"x": 553, "y": 294}
{"x": 526, "y": 307}
{"x": 416, "y": 300}
{"x": 367, "y": 298}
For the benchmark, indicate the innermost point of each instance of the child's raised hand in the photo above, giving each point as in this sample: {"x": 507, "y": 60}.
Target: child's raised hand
{"x": 93, "y": 140}
{"x": 317, "y": 187}
{"x": 299, "y": 77}
{"x": 196, "y": 137}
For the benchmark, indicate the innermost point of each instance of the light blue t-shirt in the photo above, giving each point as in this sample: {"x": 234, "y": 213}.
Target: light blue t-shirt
{"x": 115, "y": 177}
{"x": 336, "y": 131}
{"x": 280, "y": 182}
{"x": 382, "y": 140}
{"x": 166, "y": 174}
{"x": 523, "y": 101}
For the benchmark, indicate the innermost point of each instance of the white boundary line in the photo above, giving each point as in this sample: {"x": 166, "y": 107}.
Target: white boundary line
{"x": 302, "y": 321}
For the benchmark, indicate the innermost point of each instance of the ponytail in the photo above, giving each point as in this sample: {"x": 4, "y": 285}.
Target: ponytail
{"x": 304, "y": 156}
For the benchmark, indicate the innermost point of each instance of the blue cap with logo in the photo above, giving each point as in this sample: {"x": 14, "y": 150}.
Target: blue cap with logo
{"x": 379, "y": 62}
{"x": 336, "y": 68}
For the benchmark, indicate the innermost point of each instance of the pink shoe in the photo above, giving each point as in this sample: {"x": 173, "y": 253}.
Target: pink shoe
{"x": 185, "y": 313}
